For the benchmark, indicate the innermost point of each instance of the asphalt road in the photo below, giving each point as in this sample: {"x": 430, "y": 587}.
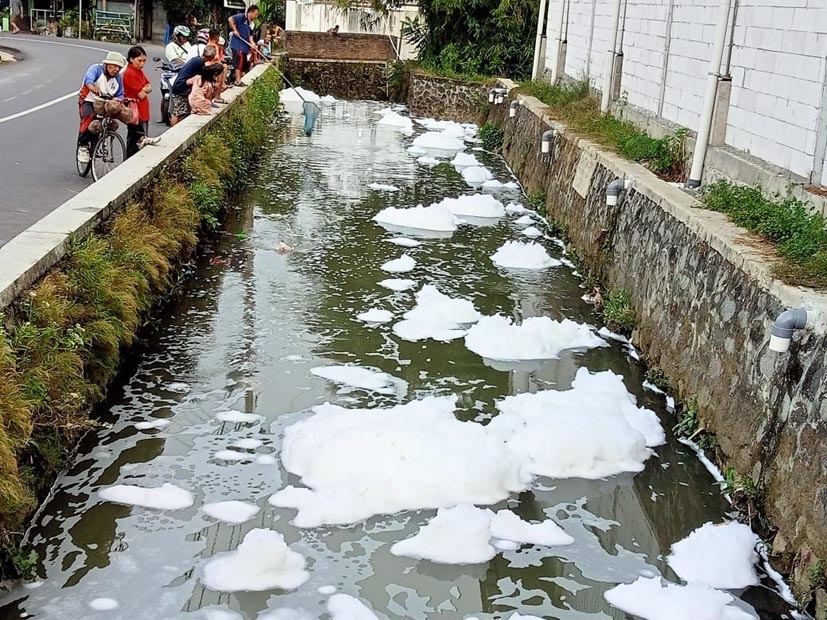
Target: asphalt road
{"x": 39, "y": 122}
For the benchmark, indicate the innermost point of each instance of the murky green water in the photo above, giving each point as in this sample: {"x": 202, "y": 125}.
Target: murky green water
{"x": 252, "y": 323}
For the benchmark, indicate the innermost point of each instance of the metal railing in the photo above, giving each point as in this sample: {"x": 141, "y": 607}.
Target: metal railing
{"x": 110, "y": 23}
{"x": 40, "y": 19}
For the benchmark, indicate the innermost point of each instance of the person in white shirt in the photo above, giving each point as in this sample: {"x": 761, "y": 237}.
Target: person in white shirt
{"x": 179, "y": 48}
{"x": 204, "y": 38}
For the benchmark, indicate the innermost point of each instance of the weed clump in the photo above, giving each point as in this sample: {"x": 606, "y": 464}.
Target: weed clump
{"x": 492, "y": 137}
{"x": 619, "y": 312}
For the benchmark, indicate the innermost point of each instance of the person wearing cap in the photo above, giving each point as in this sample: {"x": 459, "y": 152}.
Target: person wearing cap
{"x": 101, "y": 80}
{"x": 179, "y": 48}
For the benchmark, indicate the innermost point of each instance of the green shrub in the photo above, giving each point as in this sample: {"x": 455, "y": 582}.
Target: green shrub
{"x": 619, "y": 312}
{"x": 492, "y": 137}
{"x": 799, "y": 234}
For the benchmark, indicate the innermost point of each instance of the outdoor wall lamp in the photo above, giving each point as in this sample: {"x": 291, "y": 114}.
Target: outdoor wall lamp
{"x": 545, "y": 145}
{"x": 615, "y": 190}
{"x": 785, "y": 325}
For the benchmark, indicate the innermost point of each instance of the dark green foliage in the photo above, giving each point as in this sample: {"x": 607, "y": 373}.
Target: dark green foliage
{"x": 619, "y": 311}
{"x": 658, "y": 378}
{"x": 492, "y": 137}
{"x": 799, "y": 234}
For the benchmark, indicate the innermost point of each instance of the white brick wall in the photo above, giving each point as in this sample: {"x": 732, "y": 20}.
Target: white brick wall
{"x": 778, "y": 67}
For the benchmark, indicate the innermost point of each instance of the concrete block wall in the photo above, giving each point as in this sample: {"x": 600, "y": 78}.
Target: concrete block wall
{"x": 323, "y": 46}
{"x": 778, "y": 68}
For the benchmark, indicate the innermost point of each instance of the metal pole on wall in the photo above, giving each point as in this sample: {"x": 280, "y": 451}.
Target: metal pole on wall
{"x": 541, "y": 18}
{"x": 610, "y": 59}
{"x": 80, "y": 19}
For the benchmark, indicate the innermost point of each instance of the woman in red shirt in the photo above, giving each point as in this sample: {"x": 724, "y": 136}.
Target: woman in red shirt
{"x": 136, "y": 86}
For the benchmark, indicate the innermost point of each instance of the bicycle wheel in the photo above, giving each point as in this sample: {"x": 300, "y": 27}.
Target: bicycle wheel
{"x": 83, "y": 169}
{"x": 110, "y": 152}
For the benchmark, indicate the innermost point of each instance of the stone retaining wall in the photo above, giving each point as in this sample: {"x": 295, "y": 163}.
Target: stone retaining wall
{"x": 342, "y": 79}
{"x": 343, "y": 46}
{"x": 445, "y": 98}
{"x": 705, "y": 299}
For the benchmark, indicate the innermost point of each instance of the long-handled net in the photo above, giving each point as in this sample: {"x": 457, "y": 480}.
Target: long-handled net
{"x": 311, "y": 110}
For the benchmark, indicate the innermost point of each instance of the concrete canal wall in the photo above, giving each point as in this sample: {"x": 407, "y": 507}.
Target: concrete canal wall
{"x": 705, "y": 298}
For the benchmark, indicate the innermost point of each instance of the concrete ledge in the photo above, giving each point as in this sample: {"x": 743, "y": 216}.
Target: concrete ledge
{"x": 749, "y": 253}
{"x": 28, "y": 256}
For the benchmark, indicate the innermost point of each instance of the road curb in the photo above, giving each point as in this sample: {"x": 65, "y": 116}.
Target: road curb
{"x": 28, "y": 256}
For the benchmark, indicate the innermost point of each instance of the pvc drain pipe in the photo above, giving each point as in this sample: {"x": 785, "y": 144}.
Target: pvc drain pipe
{"x": 545, "y": 144}
{"x": 785, "y": 325}
{"x": 614, "y": 191}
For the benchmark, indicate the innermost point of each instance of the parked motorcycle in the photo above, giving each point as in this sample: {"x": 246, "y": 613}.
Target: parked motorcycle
{"x": 169, "y": 72}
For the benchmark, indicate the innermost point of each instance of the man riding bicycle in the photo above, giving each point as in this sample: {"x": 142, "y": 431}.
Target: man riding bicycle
{"x": 179, "y": 48}
{"x": 101, "y": 80}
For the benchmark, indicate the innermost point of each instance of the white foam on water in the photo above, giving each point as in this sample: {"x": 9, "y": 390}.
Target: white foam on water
{"x": 416, "y": 151}
{"x": 346, "y": 607}
{"x": 439, "y": 144}
{"x": 505, "y": 545}
{"x": 474, "y": 205}
{"x": 380, "y": 187}
{"x": 436, "y": 316}
{"x": 722, "y": 556}
{"x": 532, "y": 232}
{"x": 405, "y": 242}
{"x": 326, "y": 590}
{"x": 398, "y": 284}
{"x": 265, "y": 459}
{"x": 238, "y": 417}
{"x": 519, "y": 255}
{"x": 403, "y": 264}
{"x": 358, "y": 463}
{"x": 214, "y": 612}
{"x": 362, "y": 378}
{"x": 290, "y": 95}
{"x": 494, "y": 185}
{"x": 103, "y": 604}
{"x": 651, "y": 599}
{"x": 464, "y": 160}
{"x": 427, "y": 160}
{"x": 181, "y": 388}
{"x": 458, "y": 535}
{"x": 435, "y": 218}
{"x": 507, "y": 526}
{"x": 248, "y": 443}
{"x": 154, "y": 424}
{"x": 376, "y": 315}
{"x": 231, "y": 511}
{"x": 166, "y": 497}
{"x": 328, "y": 99}
{"x": 514, "y": 208}
{"x": 395, "y": 120}
{"x": 285, "y": 613}
{"x": 593, "y": 430}
{"x": 231, "y": 456}
{"x": 525, "y": 220}
{"x": 476, "y": 175}
{"x": 262, "y": 561}
{"x": 460, "y": 130}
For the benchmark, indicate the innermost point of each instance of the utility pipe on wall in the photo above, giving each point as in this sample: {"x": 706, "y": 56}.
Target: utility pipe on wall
{"x": 610, "y": 59}
{"x": 541, "y": 22}
{"x": 705, "y": 126}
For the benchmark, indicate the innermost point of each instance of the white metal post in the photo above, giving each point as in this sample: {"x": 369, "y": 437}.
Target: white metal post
{"x": 705, "y": 126}
{"x": 559, "y": 44}
{"x": 541, "y": 18}
{"x": 610, "y": 60}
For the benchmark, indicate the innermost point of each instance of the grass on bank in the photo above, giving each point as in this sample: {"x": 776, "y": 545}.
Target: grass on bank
{"x": 61, "y": 344}
{"x": 574, "y": 105}
{"x": 799, "y": 234}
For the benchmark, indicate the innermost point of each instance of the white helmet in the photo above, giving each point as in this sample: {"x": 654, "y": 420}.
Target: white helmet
{"x": 181, "y": 31}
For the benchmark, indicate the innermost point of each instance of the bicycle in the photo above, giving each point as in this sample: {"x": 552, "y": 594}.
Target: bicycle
{"x": 107, "y": 151}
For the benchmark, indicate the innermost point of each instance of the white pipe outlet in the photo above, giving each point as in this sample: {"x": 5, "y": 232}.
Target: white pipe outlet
{"x": 616, "y": 190}
{"x": 512, "y": 109}
{"x": 787, "y": 323}
{"x": 545, "y": 143}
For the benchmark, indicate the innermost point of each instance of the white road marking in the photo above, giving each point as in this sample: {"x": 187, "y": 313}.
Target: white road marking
{"x": 47, "y": 42}
{"x": 48, "y": 104}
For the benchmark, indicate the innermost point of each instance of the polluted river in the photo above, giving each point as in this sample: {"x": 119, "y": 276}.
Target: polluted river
{"x": 382, "y": 395}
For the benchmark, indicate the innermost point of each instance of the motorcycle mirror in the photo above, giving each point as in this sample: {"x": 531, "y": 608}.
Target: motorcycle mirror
{"x": 156, "y": 58}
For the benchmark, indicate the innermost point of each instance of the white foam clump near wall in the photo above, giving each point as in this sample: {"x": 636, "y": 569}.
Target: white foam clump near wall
{"x": 474, "y": 205}
{"x": 247, "y": 443}
{"x": 166, "y": 497}
{"x": 650, "y": 599}
{"x": 376, "y": 315}
{"x": 515, "y": 207}
{"x": 262, "y": 561}
{"x": 591, "y": 431}
{"x": 435, "y": 218}
{"x": 519, "y": 255}
{"x": 721, "y": 556}
{"x": 532, "y": 232}
{"x": 536, "y": 338}
{"x": 153, "y": 424}
{"x": 358, "y": 377}
{"x": 381, "y": 187}
{"x": 231, "y": 511}
{"x": 405, "y": 242}
{"x": 525, "y": 220}
{"x": 363, "y": 462}
{"x": 289, "y": 95}
{"x": 103, "y": 604}
{"x": 232, "y": 456}
{"x": 403, "y": 264}
{"x": 460, "y": 130}
{"x": 238, "y": 417}
{"x": 427, "y": 160}
{"x": 396, "y": 121}
{"x": 328, "y": 99}
{"x": 464, "y": 160}
{"x": 398, "y": 284}
{"x": 439, "y": 144}
{"x": 436, "y": 316}
{"x": 346, "y": 607}
{"x": 476, "y": 175}
{"x": 494, "y": 185}
{"x": 463, "y": 535}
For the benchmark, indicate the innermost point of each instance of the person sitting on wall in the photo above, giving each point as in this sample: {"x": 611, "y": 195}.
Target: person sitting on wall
{"x": 264, "y": 46}
{"x": 179, "y": 106}
{"x": 178, "y": 49}
{"x": 101, "y": 80}
{"x": 242, "y": 43}
{"x": 334, "y": 30}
